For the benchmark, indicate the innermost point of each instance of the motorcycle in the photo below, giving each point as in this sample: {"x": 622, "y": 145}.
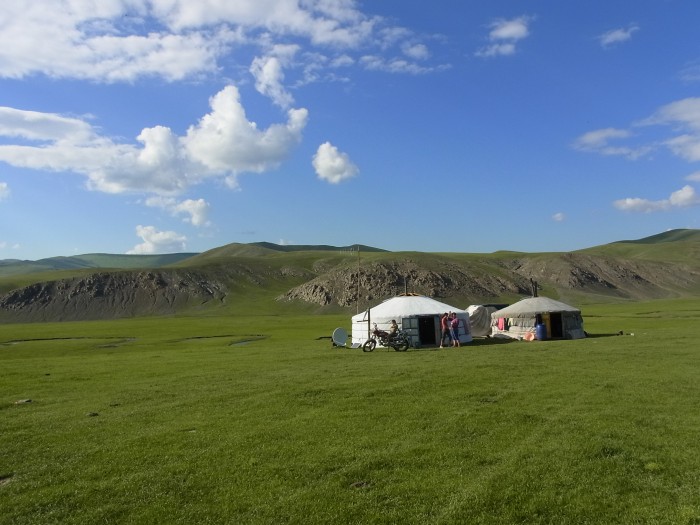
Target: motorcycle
{"x": 399, "y": 341}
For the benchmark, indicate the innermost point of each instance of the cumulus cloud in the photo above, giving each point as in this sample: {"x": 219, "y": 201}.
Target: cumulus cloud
{"x": 223, "y": 144}
{"x": 155, "y": 241}
{"x": 332, "y": 165}
{"x": 694, "y": 177}
{"x": 105, "y": 41}
{"x": 504, "y": 36}
{"x": 195, "y": 211}
{"x": 224, "y": 141}
{"x": 268, "y": 72}
{"x": 686, "y": 197}
{"x": 615, "y": 36}
{"x": 559, "y": 217}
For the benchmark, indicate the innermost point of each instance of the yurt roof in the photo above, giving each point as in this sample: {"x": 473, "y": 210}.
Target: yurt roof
{"x": 532, "y": 306}
{"x": 408, "y": 305}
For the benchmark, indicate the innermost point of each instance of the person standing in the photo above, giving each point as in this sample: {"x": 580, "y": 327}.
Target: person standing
{"x": 454, "y": 329}
{"x": 444, "y": 328}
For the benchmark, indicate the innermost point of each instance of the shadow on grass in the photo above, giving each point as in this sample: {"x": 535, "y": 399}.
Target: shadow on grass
{"x": 491, "y": 341}
{"x": 596, "y": 336}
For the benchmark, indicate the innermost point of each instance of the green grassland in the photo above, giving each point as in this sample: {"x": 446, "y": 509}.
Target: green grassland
{"x": 256, "y": 418}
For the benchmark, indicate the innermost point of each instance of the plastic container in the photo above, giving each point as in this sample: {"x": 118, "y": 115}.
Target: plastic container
{"x": 541, "y": 332}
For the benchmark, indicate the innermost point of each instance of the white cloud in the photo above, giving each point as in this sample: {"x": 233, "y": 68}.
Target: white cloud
{"x": 686, "y": 147}
{"x": 681, "y": 115}
{"x": 600, "y": 137}
{"x": 224, "y": 141}
{"x": 599, "y": 141}
{"x": 4, "y": 191}
{"x": 685, "y": 112}
{"x": 691, "y": 72}
{"x": 104, "y": 41}
{"x": 223, "y": 144}
{"x": 342, "y": 61}
{"x": 694, "y": 177}
{"x": 332, "y": 165}
{"x": 124, "y": 40}
{"x": 416, "y": 51}
{"x": 504, "y": 36}
{"x": 15, "y": 246}
{"x": 196, "y": 211}
{"x": 686, "y": 197}
{"x": 396, "y": 65}
{"x": 559, "y": 217}
{"x": 50, "y": 127}
{"x": 515, "y": 29}
{"x": 503, "y": 49}
{"x": 155, "y": 241}
{"x": 269, "y": 78}
{"x": 328, "y": 22}
{"x": 615, "y": 36}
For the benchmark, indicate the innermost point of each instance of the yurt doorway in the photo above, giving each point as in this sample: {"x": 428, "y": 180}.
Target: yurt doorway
{"x": 556, "y": 326}
{"x": 428, "y": 329}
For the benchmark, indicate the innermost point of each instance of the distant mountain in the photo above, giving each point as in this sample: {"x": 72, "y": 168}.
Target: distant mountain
{"x": 261, "y": 249}
{"x": 270, "y": 277}
{"x": 316, "y": 247}
{"x": 9, "y": 267}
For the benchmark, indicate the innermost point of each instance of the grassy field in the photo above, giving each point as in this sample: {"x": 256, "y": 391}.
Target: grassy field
{"x": 257, "y": 419}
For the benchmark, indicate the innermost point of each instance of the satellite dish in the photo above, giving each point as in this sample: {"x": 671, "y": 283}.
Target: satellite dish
{"x": 339, "y": 337}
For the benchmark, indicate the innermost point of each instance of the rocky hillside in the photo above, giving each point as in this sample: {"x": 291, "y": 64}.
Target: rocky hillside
{"x": 324, "y": 280}
{"x": 112, "y": 295}
{"x": 559, "y": 275}
{"x": 379, "y": 280}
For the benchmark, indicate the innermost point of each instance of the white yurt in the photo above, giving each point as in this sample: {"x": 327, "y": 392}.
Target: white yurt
{"x": 556, "y": 320}
{"x": 417, "y": 315}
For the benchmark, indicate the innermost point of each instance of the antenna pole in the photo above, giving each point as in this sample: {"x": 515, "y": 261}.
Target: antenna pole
{"x": 357, "y": 296}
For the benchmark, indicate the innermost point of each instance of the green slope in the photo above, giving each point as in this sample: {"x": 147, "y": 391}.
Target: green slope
{"x": 680, "y": 246}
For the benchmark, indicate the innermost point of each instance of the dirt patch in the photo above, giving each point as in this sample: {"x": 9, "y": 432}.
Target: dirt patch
{"x": 4, "y": 480}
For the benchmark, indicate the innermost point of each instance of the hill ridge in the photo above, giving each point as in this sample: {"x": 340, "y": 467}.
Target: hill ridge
{"x": 329, "y": 279}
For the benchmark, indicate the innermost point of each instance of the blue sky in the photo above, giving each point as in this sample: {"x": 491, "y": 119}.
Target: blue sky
{"x": 134, "y": 126}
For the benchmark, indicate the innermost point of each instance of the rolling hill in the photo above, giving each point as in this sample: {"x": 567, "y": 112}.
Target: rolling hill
{"x": 10, "y": 267}
{"x": 273, "y": 278}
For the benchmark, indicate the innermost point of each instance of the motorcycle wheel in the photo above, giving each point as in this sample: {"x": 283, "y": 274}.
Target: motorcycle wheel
{"x": 403, "y": 345}
{"x": 369, "y": 346}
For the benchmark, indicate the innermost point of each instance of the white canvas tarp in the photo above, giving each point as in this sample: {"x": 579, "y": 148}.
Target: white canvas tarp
{"x": 418, "y": 315}
{"x": 480, "y": 319}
